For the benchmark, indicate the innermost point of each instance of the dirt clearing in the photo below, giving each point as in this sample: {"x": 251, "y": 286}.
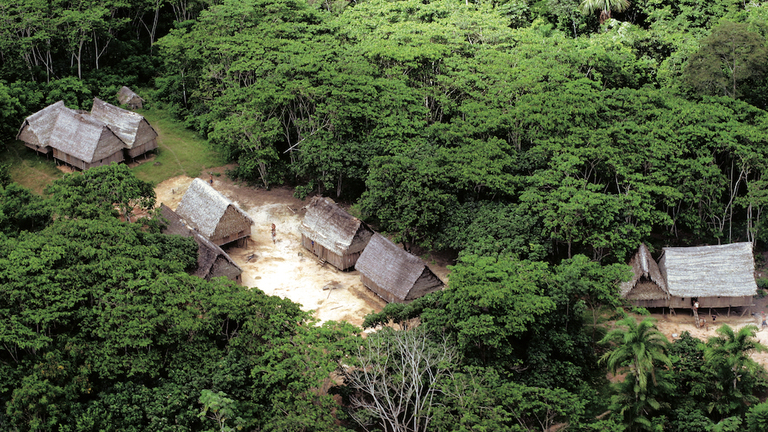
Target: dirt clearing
{"x": 283, "y": 268}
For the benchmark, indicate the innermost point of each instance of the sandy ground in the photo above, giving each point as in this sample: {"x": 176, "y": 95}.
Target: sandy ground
{"x": 284, "y": 268}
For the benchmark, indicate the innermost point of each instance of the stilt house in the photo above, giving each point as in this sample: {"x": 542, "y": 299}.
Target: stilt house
{"x": 717, "y": 276}
{"x": 647, "y": 287}
{"x": 212, "y": 261}
{"x": 212, "y": 215}
{"x": 36, "y": 130}
{"x": 83, "y": 141}
{"x": 132, "y": 128}
{"x": 129, "y": 98}
{"x": 394, "y": 274}
{"x": 332, "y": 234}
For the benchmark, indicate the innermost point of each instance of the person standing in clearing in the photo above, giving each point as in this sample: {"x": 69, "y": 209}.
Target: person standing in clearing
{"x": 274, "y": 234}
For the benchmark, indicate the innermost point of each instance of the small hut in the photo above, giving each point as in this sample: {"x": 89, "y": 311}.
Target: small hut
{"x": 332, "y": 234}
{"x": 394, "y": 274}
{"x": 83, "y": 141}
{"x": 129, "y": 98}
{"x": 36, "y": 130}
{"x": 214, "y": 216}
{"x": 132, "y": 128}
{"x": 647, "y": 287}
{"x": 212, "y": 261}
{"x": 717, "y": 276}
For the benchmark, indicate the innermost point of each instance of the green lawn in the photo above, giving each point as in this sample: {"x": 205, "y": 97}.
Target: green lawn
{"x": 180, "y": 151}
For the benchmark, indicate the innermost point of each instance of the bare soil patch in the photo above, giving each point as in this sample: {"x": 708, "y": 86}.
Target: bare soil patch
{"x": 283, "y": 268}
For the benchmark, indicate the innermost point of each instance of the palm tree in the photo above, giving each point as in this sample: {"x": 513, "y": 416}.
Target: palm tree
{"x": 604, "y": 6}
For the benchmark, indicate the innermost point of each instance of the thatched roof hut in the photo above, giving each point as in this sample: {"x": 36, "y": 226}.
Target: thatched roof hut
{"x": 394, "y": 274}
{"x": 212, "y": 215}
{"x": 82, "y": 141}
{"x": 718, "y": 276}
{"x": 647, "y": 288}
{"x": 212, "y": 261}
{"x": 36, "y": 129}
{"x": 128, "y": 97}
{"x": 132, "y": 128}
{"x": 333, "y": 234}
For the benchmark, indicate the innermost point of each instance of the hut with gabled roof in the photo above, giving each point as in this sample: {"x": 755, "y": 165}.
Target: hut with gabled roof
{"x": 132, "y": 128}
{"x": 394, "y": 274}
{"x": 83, "y": 141}
{"x": 212, "y": 261}
{"x": 647, "y": 288}
{"x": 36, "y": 130}
{"x": 717, "y": 276}
{"x": 332, "y": 234}
{"x": 129, "y": 98}
{"x": 213, "y": 215}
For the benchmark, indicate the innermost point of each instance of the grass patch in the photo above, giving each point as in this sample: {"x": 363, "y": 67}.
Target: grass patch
{"x": 180, "y": 150}
{"x": 32, "y": 170}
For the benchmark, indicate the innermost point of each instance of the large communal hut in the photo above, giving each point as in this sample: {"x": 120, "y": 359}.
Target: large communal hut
{"x": 332, "y": 234}
{"x": 716, "y": 276}
{"x": 129, "y": 98}
{"x": 36, "y": 129}
{"x": 212, "y": 261}
{"x": 647, "y": 288}
{"x": 83, "y": 141}
{"x": 132, "y": 128}
{"x": 394, "y": 274}
{"x": 213, "y": 215}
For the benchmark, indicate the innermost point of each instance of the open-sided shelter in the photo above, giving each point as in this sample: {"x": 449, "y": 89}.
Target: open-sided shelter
{"x": 36, "y": 130}
{"x": 647, "y": 288}
{"x": 213, "y": 215}
{"x": 332, "y": 234}
{"x": 84, "y": 142}
{"x": 718, "y": 276}
{"x": 212, "y": 261}
{"x": 394, "y": 274}
{"x": 129, "y": 98}
{"x": 132, "y": 128}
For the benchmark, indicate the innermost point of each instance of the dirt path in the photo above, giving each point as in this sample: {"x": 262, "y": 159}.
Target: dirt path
{"x": 284, "y": 268}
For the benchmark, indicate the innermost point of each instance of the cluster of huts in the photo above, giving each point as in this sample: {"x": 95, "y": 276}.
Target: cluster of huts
{"x": 85, "y": 139}
{"x": 212, "y": 221}
{"x": 338, "y": 238}
{"x": 721, "y": 276}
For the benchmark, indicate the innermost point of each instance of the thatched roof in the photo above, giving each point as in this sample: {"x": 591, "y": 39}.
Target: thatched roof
{"x": 41, "y": 124}
{"x": 131, "y": 127}
{"x": 84, "y": 137}
{"x": 390, "y": 267}
{"x": 203, "y": 206}
{"x": 125, "y": 95}
{"x": 644, "y": 268}
{"x": 207, "y": 252}
{"x": 709, "y": 271}
{"x": 333, "y": 228}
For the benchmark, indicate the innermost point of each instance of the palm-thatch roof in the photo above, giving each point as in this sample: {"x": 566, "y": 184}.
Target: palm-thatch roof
{"x": 37, "y": 128}
{"x": 330, "y": 226}
{"x": 128, "y": 97}
{"x": 709, "y": 271}
{"x": 84, "y": 137}
{"x": 647, "y": 282}
{"x": 207, "y": 252}
{"x": 203, "y": 206}
{"x": 132, "y": 128}
{"x": 395, "y": 274}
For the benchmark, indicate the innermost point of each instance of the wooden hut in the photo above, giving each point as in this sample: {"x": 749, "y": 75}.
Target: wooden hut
{"x": 83, "y": 141}
{"x": 212, "y": 215}
{"x": 647, "y": 288}
{"x": 129, "y": 98}
{"x": 394, "y": 274}
{"x": 132, "y": 128}
{"x": 36, "y": 130}
{"x": 332, "y": 234}
{"x": 717, "y": 276}
{"x": 212, "y": 261}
